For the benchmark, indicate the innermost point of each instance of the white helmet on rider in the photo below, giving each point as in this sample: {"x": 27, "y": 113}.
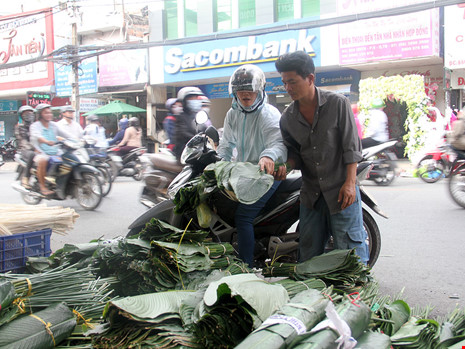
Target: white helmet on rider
{"x": 190, "y": 105}
{"x": 248, "y": 77}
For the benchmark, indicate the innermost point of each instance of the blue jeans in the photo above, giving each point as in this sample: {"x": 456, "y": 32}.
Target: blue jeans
{"x": 244, "y": 217}
{"x": 317, "y": 225}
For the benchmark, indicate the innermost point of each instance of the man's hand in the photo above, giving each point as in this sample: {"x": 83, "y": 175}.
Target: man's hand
{"x": 281, "y": 174}
{"x": 50, "y": 143}
{"x": 347, "y": 195}
{"x": 266, "y": 164}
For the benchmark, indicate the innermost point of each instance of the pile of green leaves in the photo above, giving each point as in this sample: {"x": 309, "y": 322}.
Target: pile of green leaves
{"x": 340, "y": 268}
{"x": 240, "y": 181}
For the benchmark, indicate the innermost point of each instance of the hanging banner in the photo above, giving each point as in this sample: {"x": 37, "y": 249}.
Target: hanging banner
{"x": 126, "y": 67}
{"x": 87, "y": 78}
{"x": 25, "y": 37}
{"x": 454, "y": 36}
{"x": 411, "y": 35}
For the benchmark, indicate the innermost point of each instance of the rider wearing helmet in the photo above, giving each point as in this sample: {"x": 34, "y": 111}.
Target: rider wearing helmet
{"x": 132, "y": 137}
{"x": 68, "y": 122}
{"x": 252, "y": 128}
{"x": 174, "y": 108}
{"x": 122, "y": 125}
{"x": 95, "y": 130}
{"x": 44, "y": 135}
{"x": 26, "y": 149}
{"x": 185, "y": 122}
{"x": 376, "y": 131}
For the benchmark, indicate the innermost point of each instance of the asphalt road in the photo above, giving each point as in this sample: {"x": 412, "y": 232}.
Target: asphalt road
{"x": 422, "y": 241}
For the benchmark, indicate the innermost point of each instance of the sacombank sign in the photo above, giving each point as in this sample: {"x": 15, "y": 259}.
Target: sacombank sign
{"x": 216, "y": 58}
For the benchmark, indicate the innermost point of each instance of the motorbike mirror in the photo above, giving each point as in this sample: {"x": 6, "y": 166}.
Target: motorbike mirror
{"x": 213, "y": 134}
{"x": 201, "y": 117}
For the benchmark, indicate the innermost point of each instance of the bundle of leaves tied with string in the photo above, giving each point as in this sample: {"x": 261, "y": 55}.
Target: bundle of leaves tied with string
{"x": 339, "y": 268}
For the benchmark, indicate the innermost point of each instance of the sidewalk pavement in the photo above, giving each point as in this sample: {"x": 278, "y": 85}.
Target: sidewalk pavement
{"x": 8, "y": 166}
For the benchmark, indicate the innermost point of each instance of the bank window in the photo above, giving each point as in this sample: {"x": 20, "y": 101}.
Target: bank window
{"x": 223, "y": 15}
{"x": 190, "y": 17}
{"x": 247, "y": 13}
{"x": 171, "y": 16}
{"x": 284, "y": 10}
{"x": 310, "y": 8}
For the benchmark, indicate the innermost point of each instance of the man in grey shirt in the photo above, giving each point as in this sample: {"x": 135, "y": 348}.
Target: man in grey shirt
{"x": 319, "y": 130}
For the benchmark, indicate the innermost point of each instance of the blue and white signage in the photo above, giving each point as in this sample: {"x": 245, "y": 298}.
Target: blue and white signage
{"x": 275, "y": 85}
{"x": 219, "y": 58}
{"x": 87, "y": 78}
{"x": 8, "y": 106}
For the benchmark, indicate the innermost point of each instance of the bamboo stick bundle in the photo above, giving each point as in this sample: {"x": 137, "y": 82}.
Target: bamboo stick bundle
{"x": 16, "y": 219}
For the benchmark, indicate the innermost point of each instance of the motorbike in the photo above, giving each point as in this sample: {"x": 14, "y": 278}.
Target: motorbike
{"x": 8, "y": 150}
{"x": 384, "y": 169}
{"x": 163, "y": 167}
{"x": 98, "y": 158}
{"x": 457, "y": 177}
{"x": 131, "y": 164}
{"x": 272, "y": 237}
{"x": 436, "y": 163}
{"x": 68, "y": 176}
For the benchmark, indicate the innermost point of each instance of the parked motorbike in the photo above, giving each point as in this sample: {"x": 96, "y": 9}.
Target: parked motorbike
{"x": 129, "y": 165}
{"x": 272, "y": 235}
{"x": 436, "y": 163}
{"x": 163, "y": 169}
{"x": 70, "y": 176}
{"x": 384, "y": 169}
{"x": 8, "y": 150}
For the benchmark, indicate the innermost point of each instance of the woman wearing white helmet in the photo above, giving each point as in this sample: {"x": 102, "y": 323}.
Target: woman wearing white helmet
{"x": 252, "y": 128}
{"x": 185, "y": 122}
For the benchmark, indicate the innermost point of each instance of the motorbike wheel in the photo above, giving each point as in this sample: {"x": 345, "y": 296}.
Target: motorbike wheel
{"x": 88, "y": 191}
{"x": 139, "y": 171}
{"x": 430, "y": 170}
{"x": 389, "y": 177}
{"x": 113, "y": 170}
{"x": 373, "y": 237}
{"x": 105, "y": 180}
{"x": 32, "y": 199}
{"x": 457, "y": 185}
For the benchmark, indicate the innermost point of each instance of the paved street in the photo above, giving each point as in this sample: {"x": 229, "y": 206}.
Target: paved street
{"x": 422, "y": 241}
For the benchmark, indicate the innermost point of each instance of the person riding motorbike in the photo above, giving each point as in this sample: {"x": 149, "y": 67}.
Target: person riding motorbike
{"x": 96, "y": 131}
{"x": 132, "y": 137}
{"x": 185, "y": 122}
{"x": 169, "y": 123}
{"x": 251, "y": 127}
{"x": 44, "y": 135}
{"x": 376, "y": 131}
{"x": 26, "y": 114}
{"x": 123, "y": 124}
{"x": 68, "y": 122}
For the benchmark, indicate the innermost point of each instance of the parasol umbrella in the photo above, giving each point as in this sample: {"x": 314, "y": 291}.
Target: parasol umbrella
{"x": 115, "y": 107}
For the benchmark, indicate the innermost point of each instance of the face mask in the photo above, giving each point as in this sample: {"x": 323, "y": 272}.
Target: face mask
{"x": 195, "y": 105}
{"x": 176, "y": 110}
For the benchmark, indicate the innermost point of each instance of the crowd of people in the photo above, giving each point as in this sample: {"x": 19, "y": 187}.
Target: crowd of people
{"x": 318, "y": 133}
{"x": 37, "y": 135}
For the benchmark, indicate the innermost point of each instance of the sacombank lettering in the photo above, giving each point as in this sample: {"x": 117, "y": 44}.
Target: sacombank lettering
{"x": 254, "y": 52}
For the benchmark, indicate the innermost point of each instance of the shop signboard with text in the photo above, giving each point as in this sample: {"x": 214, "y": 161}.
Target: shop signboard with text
{"x": 219, "y": 58}
{"x": 36, "y": 98}
{"x": 23, "y": 37}
{"x": 125, "y": 67}
{"x": 454, "y": 37}
{"x": 275, "y": 85}
{"x": 87, "y": 77}
{"x": 398, "y": 37}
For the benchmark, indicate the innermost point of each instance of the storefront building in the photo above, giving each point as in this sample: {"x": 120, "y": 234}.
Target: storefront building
{"x": 343, "y": 53}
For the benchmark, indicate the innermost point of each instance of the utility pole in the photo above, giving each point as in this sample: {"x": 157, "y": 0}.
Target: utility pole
{"x": 75, "y": 100}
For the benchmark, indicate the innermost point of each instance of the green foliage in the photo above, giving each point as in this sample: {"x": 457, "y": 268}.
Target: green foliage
{"x": 409, "y": 89}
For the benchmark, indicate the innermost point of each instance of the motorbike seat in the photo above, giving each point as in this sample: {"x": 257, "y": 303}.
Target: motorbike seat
{"x": 164, "y": 162}
{"x": 292, "y": 183}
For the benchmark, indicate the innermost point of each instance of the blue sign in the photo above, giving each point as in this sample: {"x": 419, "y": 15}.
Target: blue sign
{"x": 219, "y": 58}
{"x": 87, "y": 78}
{"x": 275, "y": 85}
{"x": 8, "y": 106}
